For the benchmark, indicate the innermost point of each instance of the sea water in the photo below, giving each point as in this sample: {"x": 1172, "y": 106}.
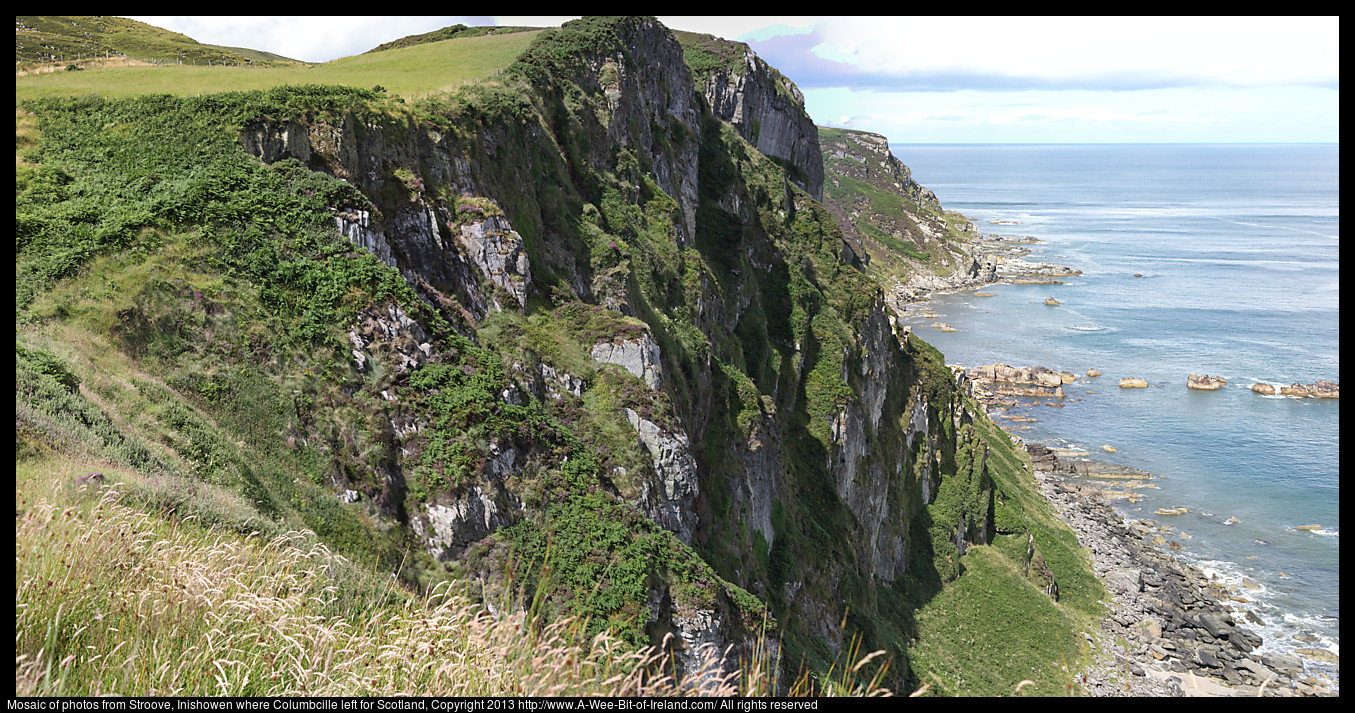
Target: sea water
{"x": 1238, "y": 248}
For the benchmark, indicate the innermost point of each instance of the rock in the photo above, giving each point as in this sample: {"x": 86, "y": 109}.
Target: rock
{"x": 1266, "y": 389}
{"x": 1133, "y": 382}
{"x": 638, "y": 356}
{"x": 1108, "y": 449}
{"x": 1093, "y": 372}
{"x": 1325, "y": 390}
{"x": 670, "y": 503}
{"x": 1150, "y": 626}
{"x": 500, "y": 254}
{"x": 1052, "y": 302}
{"x": 1295, "y": 390}
{"x": 1205, "y": 382}
{"x": 1125, "y": 580}
{"x": 1068, "y": 377}
{"x": 1171, "y": 511}
{"x": 1283, "y": 663}
{"x": 1138, "y": 274}
{"x": 1308, "y": 527}
{"x": 768, "y": 111}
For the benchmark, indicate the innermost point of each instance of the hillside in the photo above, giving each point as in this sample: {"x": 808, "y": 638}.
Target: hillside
{"x": 581, "y": 341}
{"x": 409, "y": 72}
{"x": 68, "y": 38}
{"x": 451, "y": 32}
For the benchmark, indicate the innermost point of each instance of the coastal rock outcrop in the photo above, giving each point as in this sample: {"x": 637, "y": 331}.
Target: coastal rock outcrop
{"x": 1133, "y": 382}
{"x": 767, "y": 110}
{"x": 1321, "y": 389}
{"x": 1205, "y": 382}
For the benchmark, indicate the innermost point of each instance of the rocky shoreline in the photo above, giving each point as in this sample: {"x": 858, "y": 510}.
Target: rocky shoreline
{"x": 1170, "y": 630}
{"x": 993, "y": 259}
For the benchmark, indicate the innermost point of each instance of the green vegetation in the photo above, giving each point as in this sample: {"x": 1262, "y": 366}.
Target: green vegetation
{"x": 451, "y": 32}
{"x": 416, "y": 71}
{"x": 190, "y": 324}
{"x": 49, "y": 38}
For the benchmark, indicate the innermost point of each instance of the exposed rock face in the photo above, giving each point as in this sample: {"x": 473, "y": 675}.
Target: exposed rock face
{"x": 390, "y": 335}
{"x": 496, "y": 249}
{"x": 647, "y": 100}
{"x": 1205, "y": 382}
{"x": 768, "y": 110}
{"x": 638, "y": 356}
{"x": 669, "y": 503}
{"x": 453, "y": 526}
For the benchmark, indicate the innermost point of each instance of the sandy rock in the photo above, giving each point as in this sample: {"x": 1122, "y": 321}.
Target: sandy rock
{"x": 1205, "y": 382}
{"x": 1133, "y": 382}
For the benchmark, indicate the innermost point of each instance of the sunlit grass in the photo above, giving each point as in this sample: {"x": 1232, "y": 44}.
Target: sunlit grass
{"x": 408, "y": 72}
{"x": 112, "y": 600}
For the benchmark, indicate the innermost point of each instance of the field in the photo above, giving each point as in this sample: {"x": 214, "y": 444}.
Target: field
{"x": 410, "y": 72}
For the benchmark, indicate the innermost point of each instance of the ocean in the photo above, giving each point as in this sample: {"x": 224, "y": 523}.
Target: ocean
{"x": 1239, "y": 251}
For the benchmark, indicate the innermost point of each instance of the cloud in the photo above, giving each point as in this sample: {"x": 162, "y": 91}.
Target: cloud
{"x": 1015, "y": 54}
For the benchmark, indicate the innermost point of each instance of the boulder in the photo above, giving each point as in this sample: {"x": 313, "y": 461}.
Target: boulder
{"x": 1205, "y": 382}
{"x": 1299, "y": 390}
{"x": 1068, "y": 377}
{"x": 1108, "y": 449}
{"x": 1133, "y": 382}
{"x": 1093, "y": 372}
{"x": 1324, "y": 389}
{"x": 1266, "y": 389}
{"x": 1052, "y": 302}
{"x": 1322, "y": 655}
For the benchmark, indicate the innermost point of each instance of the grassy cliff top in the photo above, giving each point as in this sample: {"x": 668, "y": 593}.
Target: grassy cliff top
{"x": 416, "y": 70}
{"x": 451, "y": 32}
{"x": 49, "y": 38}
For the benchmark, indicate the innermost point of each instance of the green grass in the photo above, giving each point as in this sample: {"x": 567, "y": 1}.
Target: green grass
{"x": 410, "y": 72}
{"x": 990, "y": 630}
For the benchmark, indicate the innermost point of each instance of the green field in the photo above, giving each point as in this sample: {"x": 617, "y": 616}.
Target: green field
{"x": 409, "y": 72}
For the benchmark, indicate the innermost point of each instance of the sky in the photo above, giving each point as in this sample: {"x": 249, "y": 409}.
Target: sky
{"x": 970, "y": 79}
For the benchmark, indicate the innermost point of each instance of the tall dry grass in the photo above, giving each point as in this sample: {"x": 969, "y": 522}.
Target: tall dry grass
{"x": 110, "y": 600}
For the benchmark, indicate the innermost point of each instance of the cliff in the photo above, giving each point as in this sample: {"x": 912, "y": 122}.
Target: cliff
{"x": 583, "y": 339}
{"x": 762, "y": 105}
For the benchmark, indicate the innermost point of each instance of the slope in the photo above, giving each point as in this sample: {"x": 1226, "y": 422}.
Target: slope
{"x": 566, "y": 338}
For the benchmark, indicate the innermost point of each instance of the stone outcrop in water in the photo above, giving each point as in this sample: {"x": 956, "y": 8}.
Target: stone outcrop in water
{"x": 1205, "y": 382}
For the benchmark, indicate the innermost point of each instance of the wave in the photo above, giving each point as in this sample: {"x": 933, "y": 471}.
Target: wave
{"x": 1087, "y": 327}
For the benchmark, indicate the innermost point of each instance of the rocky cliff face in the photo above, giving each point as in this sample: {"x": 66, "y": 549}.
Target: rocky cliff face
{"x": 769, "y": 416}
{"x": 765, "y": 107}
{"x": 895, "y": 225}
